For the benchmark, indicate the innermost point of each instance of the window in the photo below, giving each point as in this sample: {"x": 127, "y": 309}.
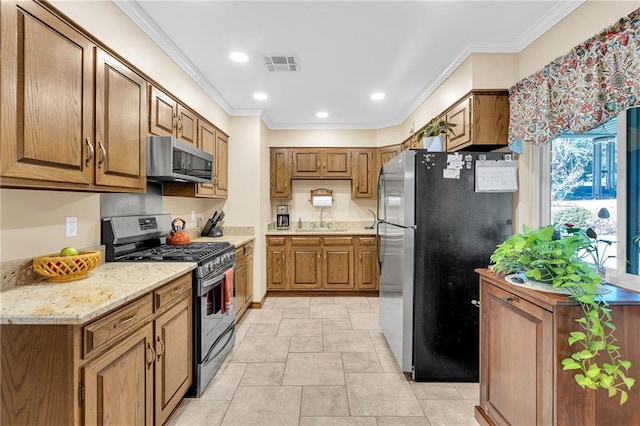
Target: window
{"x": 583, "y": 186}
{"x": 629, "y": 131}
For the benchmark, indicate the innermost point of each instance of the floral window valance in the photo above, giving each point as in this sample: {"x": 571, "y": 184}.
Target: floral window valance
{"x": 582, "y": 89}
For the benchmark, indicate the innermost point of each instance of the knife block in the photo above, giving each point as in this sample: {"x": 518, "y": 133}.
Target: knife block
{"x": 215, "y": 232}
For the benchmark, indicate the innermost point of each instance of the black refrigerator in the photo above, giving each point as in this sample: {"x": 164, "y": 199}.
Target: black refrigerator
{"x": 438, "y": 220}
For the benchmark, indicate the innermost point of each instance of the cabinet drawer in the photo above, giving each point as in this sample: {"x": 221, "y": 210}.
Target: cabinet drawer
{"x": 276, "y": 241}
{"x": 368, "y": 241}
{"x": 172, "y": 291}
{"x": 248, "y": 248}
{"x": 305, "y": 241}
{"x": 337, "y": 241}
{"x": 239, "y": 255}
{"x": 116, "y": 324}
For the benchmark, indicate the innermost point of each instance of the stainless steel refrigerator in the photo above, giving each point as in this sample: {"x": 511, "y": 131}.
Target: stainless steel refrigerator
{"x": 434, "y": 229}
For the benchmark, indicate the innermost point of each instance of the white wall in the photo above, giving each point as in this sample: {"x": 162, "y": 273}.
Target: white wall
{"x": 329, "y": 138}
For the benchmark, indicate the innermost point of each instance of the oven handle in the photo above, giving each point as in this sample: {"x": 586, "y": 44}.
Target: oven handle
{"x": 230, "y": 329}
{"x": 209, "y": 283}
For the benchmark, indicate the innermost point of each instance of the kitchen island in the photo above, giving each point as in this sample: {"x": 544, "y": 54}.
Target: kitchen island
{"x": 523, "y": 339}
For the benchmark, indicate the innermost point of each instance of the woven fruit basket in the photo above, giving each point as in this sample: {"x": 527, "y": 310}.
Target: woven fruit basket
{"x": 66, "y": 268}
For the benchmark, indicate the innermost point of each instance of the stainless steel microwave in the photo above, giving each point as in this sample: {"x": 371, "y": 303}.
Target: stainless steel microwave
{"x": 172, "y": 160}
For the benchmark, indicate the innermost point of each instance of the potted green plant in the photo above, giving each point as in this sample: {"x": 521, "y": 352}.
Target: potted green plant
{"x": 549, "y": 256}
{"x": 435, "y": 131}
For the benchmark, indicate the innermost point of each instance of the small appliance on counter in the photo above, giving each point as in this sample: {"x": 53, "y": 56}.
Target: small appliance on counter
{"x": 282, "y": 218}
{"x": 211, "y": 228}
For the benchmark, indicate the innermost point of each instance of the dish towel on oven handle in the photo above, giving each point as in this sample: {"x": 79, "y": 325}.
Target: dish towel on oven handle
{"x": 227, "y": 291}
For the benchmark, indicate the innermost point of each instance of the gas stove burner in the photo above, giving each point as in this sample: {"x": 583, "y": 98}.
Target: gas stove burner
{"x": 195, "y": 252}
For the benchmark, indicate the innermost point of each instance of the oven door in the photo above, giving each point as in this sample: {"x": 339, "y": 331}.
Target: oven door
{"x": 212, "y": 324}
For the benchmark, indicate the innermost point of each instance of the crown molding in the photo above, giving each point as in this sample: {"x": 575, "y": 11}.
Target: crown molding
{"x": 148, "y": 26}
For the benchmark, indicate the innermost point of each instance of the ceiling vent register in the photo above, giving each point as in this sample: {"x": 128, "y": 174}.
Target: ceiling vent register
{"x": 281, "y": 63}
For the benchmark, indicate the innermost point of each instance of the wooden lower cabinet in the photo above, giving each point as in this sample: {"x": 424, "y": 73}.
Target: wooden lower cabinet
{"x": 277, "y": 261}
{"x": 135, "y": 375}
{"x": 173, "y": 358}
{"x": 523, "y": 339}
{"x": 119, "y": 384}
{"x": 243, "y": 279}
{"x": 321, "y": 263}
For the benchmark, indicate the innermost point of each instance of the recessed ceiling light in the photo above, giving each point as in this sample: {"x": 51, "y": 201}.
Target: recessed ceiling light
{"x": 322, "y": 114}
{"x": 377, "y": 96}
{"x": 260, "y": 96}
{"x": 238, "y": 57}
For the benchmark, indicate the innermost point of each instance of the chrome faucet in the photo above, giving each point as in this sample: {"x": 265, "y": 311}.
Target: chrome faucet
{"x": 322, "y": 223}
{"x": 374, "y": 221}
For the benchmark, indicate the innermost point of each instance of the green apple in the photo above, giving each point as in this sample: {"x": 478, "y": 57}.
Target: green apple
{"x": 69, "y": 251}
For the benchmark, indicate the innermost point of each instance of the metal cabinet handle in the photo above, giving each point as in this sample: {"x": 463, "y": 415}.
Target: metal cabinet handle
{"x": 103, "y": 157}
{"x": 125, "y": 321}
{"x": 174, "y": 121}
{"x": 91, "y": 152}
{"x": 508, "y": 299}
{"x": 161, "y": 351}
{"x": 357, "y": 184}
{"x": 475, "y": 303}
{"x": 215, "y": 180}
{"x": 153, "y": 355}
{"x": 180, "y": 123}
{"x": 318, "y": 164}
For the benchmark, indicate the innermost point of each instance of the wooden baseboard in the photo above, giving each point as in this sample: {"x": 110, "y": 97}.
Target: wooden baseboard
{"x": 482, "y": 417}
{"x": 258, "y": 305}
{"x": 321, "y": 293}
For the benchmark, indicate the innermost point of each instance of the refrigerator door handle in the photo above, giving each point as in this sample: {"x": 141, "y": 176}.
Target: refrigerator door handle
{"x": 377, "y": 247}
{"x": 381, "y": 195}
{"x": 398, "y": 226}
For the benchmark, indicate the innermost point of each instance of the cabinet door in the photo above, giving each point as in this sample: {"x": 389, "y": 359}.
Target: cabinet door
{"x": 277, "y": 260}
{"x": 517, "y": 359}
{"x": 305, "y": 260}
{"x": 239, "y": 278}
{"x": 280, "y": 173}
{"x": 163, "y": 114}
{"x": 306, "y": 163}
{"x": 364, "y": 174}
{"x": 405, "y": 145}
{"x": 121, "y": 116}
{"x": 174, "y": 361}
{"x": 460, "y": 115}
{"x": 187, "y": 125}
{"x": 46, "y": 90}
{"x": 387, "y": 153}
{"x": 336, "y": 163}
{"x": 248, "y": 290}
{"x": 206, "y": 142}
{"x": 119, "y": 384}
{"x": 222, "y": 160}
{"x": 367, "y": 266}
{"x": 338, "y": 268}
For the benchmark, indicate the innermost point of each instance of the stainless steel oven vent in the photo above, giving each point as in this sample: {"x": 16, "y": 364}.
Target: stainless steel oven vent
{"x": 281, "y": 63}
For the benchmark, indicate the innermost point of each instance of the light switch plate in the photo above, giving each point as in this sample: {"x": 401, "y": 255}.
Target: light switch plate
{"x": 193, "y": 215}
{"x": 72, "y": 226}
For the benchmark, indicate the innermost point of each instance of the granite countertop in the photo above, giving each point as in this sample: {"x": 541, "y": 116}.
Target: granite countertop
{"x": 107, "y": 287}
{"x": 337, "y": 228}
{"x": 236, "y": 240}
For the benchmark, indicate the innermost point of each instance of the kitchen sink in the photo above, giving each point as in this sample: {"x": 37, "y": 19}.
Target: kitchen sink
{"x": 323, "y": 230}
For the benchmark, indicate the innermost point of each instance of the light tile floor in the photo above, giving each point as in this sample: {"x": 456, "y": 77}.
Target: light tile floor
{"x": 314, "y": 361}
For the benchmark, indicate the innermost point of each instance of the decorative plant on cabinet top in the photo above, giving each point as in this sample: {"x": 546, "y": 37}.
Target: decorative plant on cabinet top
{"x": 546, "y": 256}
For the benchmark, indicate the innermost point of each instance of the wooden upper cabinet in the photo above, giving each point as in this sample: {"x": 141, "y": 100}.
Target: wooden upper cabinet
{"x": 169, "y": 118}
{"x": 323, "y": 162}
{"x": 206, "y": 142}
{"x": 221, "y": 159}
{"x": 387, "y": 153}
{"x": 306, "y": 162}
{"x": 187, "y": 125}
{"x": 364, "y": 173}
{"x": 406, "y": 144}
{"x": 121, "y": 116}
{"x": 280, "y": 173}
{"x": 46, "y": 118}
{"x": 482, "y": 120}
{"x": 336, "y": 163}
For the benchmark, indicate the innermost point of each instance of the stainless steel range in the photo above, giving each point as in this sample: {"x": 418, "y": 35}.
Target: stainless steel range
{"x": 141, "y": 238}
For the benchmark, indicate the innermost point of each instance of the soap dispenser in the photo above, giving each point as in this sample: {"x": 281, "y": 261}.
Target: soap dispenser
{"x": 299, "y": 223}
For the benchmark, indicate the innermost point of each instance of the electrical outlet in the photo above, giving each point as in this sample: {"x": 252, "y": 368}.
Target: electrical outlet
{"x": 72, "y": 226}
{"x": 193, "y": 215}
